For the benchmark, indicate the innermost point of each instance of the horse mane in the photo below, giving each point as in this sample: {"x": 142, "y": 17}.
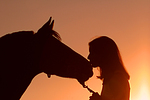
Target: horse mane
{"x": 24, "y": 35}
{"x": 15, "y": 36}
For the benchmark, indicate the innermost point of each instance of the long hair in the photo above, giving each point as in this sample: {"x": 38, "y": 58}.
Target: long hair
{"x": 110, "y": 57}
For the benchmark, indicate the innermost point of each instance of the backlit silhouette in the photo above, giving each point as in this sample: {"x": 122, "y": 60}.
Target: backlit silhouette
{"x": 25, "y": 54}
{"x": 104, "y": 54}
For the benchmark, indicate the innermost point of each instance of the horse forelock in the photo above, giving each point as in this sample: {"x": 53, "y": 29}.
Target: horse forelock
{"x": 56, "y": 35}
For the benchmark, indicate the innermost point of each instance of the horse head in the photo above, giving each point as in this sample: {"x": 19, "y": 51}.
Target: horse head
{"x": 59, "y": 59}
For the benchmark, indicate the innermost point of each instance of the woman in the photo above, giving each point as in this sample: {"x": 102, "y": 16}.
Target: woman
{"x": 104, "y": 53}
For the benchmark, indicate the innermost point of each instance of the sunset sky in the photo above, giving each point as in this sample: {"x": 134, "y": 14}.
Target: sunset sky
{"x": 127, "y": 22}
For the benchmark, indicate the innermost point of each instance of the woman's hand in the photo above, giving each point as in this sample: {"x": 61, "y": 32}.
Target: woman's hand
{"x": 95, "y": 96}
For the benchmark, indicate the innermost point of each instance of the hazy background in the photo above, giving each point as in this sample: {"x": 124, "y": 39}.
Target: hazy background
{"x": 78, "y": 22}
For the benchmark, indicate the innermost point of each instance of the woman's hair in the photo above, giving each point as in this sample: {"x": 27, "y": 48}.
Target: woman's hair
{"x": 107, "y": 49}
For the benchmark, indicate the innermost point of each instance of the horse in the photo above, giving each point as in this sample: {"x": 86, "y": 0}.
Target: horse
{"x": 24, "y": 54}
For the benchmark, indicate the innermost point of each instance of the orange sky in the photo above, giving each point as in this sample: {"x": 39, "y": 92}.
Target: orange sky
{"x": 77, "y": 21}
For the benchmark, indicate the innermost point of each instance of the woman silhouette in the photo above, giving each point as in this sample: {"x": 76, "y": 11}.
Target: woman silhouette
{"x": 104, "y": 54}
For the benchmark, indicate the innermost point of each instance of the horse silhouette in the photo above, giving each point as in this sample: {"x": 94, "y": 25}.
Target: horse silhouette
{"x": 25, "y": 54}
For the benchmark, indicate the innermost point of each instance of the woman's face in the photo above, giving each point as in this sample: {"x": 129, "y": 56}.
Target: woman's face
{"x": 94, "y": 57}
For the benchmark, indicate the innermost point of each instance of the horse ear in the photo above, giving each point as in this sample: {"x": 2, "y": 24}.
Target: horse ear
{"x": 46, "y": 26}
{"x": 47, "y": 23}
{"x": 52, "y": 25}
